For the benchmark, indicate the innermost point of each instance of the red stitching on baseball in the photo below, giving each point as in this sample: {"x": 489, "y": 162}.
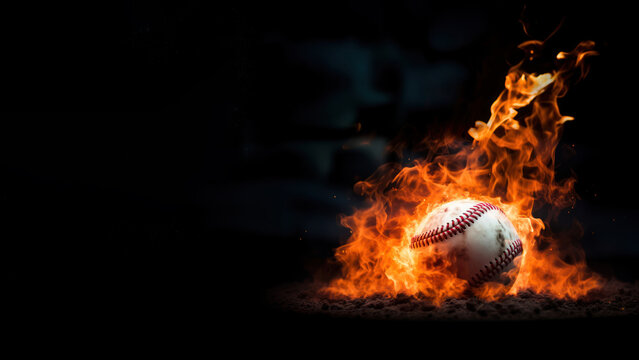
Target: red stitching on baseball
{"x": 495, "y": 266}
{"x": 454, "y": 227}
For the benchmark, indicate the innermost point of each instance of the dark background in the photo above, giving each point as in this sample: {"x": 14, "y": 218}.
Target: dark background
{"x": 162, "y": 157}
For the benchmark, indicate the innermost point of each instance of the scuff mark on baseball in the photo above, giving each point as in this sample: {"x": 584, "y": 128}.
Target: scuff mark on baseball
{"x": 476, "y": 238}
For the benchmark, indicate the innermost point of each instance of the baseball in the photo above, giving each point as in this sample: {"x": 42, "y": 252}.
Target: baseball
{"x": 476, "y": 238}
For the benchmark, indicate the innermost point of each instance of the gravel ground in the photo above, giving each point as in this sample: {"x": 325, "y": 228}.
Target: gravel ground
{"x": 614, "y": 300}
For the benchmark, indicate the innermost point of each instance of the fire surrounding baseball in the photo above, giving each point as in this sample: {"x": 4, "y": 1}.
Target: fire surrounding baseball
{"x": 475, "y": 238}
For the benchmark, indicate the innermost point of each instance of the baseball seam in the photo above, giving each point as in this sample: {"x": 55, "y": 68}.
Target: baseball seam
{"x": 496, "y": 265}
{"x": 453, "y": 227}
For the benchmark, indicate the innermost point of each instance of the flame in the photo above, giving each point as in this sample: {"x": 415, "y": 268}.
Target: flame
{"x": 510, "y": 163}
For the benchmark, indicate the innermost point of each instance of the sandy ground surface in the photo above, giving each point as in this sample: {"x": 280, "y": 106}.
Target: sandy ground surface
{"x": 614, "y": 300}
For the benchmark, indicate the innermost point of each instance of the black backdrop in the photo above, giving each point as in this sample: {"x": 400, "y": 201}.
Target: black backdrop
{"x": 162, "y": 158}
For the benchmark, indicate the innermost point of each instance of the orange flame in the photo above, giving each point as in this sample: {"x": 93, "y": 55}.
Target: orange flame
{"x": 510, "y": 163}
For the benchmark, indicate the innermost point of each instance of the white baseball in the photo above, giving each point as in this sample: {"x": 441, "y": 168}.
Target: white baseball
{"x": 476, "y": 237}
